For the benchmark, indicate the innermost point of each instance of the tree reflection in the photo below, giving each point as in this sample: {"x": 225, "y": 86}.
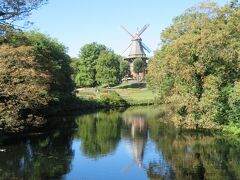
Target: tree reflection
{"x": 44, "y": 157}
{"x": 198, "y": 167}
{"x": 99, "y": 133}
{"x": 157, "y": 170}
{"x": 174, "y": 153}
{"x": 192, "y": 155}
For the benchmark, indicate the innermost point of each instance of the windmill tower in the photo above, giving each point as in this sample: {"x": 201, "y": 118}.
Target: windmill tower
{"x": 137, "y": 50}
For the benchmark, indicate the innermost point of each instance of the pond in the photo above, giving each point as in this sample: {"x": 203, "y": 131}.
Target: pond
{"x": 133, "y": 144}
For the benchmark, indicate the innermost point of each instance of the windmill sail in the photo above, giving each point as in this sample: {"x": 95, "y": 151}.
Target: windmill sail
{"x": 127, "y": 31}
{"x": 127, "y": 48}
{"x": 145, "y": 47}
{"x": 143, "y": 29}
{"x": 137, "y": 47}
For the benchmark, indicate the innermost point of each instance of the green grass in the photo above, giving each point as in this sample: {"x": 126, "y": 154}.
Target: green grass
{"x": 129, "y": 85}
{"x": 143, "y": 96}
{"x": 134, "y": 93}
{"x": 87, "y": 93}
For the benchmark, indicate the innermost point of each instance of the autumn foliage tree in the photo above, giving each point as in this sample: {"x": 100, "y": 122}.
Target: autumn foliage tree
{"x": 23, "y": 86}
{"x": 197, "y": 70}
{"x": 34, "y": 73}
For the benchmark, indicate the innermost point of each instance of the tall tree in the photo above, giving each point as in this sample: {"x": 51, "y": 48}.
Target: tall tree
{"x": 108, "y": 68}
{"x": 13, "y": 10}
{"x": 34, "y": 72}
{"x": 198, "y": 70}
{"x": 89, "y": 54}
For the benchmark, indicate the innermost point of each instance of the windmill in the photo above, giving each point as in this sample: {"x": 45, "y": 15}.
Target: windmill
{"x": 137, "y": 50}
{"x": 138, "y": 137}
{"x": 137, "y": 46}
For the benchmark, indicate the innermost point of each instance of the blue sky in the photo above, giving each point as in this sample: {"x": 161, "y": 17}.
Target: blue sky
{"x": 77, "y": 22}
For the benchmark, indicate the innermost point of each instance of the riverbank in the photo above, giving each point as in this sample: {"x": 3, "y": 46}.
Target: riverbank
{"x": 83, "y": 100}
{"x": 37, "y": 119}
{"x": 88, "y": 100}
{"x": 59, "y": 116}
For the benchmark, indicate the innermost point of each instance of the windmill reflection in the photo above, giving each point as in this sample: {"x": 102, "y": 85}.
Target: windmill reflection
{"x": 138, "y": 128}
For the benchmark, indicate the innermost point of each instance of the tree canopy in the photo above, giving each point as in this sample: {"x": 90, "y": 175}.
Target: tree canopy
{"x": 96, "y": 65}
{"x": 138, "y": 65}
{"x": 124, "y": 68}
{"x": 11, "y": 11}
{"x": 86, "y": 70}
{"x": 34, "y": 72}
{"x": 108, "y": 68}
{"x": 197, "y": 70}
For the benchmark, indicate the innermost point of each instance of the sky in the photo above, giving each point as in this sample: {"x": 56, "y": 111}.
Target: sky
{"x": 78, "y": 22}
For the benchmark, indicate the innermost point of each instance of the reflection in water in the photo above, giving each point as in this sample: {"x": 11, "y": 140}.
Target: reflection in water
{"x": 99, "y": 133}
{"x": 198, "y": 167}
{"x": 138, "y": 138}
{"x": 96, "y": 146}
{"x": 44, "y": 157}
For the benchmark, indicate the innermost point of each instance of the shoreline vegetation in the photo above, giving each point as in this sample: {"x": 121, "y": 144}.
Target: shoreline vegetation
{"x": 195, "y": 76}
{"x": 197, "y": 70}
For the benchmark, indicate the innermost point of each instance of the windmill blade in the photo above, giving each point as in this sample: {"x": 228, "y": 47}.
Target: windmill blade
{"x": 143, "y": 29}
{"x": 145, "y": 47}
{"x": 127, "y": 31}
{"x": 126, "y": 49}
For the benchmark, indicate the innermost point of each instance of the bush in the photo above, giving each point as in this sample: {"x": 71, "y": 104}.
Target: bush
{"x": 112, "y": 100}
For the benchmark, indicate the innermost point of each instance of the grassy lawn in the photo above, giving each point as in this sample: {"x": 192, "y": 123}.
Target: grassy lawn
{"x": 133, "y": 92}
{"x": 87, "y": 93}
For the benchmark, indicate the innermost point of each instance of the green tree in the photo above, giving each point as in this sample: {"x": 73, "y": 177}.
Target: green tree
{"x": 138, "y": 66}
{"x": 124, "y": 68}
{"x": 86, "y": 73}
{"x": 74, "y": 65}
{"x": 108, "y": 68}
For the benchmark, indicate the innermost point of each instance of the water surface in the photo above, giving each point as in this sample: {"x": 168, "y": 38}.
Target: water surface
{"x": 134, "y": 144}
